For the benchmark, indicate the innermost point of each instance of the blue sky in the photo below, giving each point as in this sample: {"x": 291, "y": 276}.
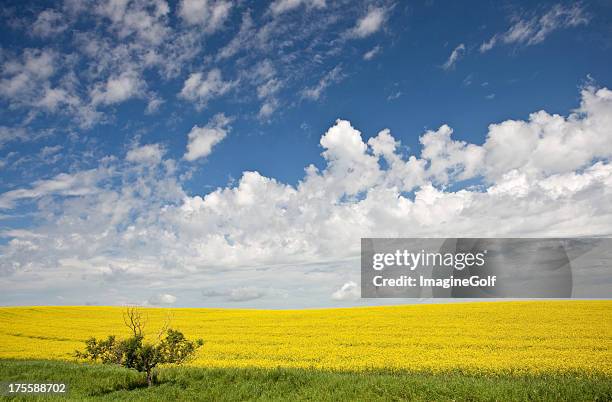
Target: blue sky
{"x": 123, "y": 115}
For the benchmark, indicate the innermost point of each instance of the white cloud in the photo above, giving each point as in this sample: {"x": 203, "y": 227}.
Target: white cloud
{"x": 264, "y": 77}
{"x": 123, "y": 42}
{"x": 455, "y": 55}
{"x": 348, "y": 291}
{"x": 10, "y": 134}
{"x": 548, "y": 175}
{"x": 104, "y": 62}
{"x": 117, "y": 89}
{"x": 282, "y": 6}
{"x": 23, "y": 77}
{"x": 488, "y": 45}
{"x": 370, "y": 23}
{"x": 245, "y": 294}
{"x": 242, "y": 294}
{"x": 162, "y": 299}
{"x": 146, "y": 19}
{"x": 49, "y": 23}
{"x": 333, "y": 76}
{"x": 549, "y": 144}
{"x": 154, "y": 104}
{"x": 67, "y": 185}
{"x": 201, "y": 140}
{"x": 240, "y": 40}
{"x": 268, "y": 88}
{"x": 53, "y": 98}
{"x": 370, "y": 54}
{"x": 268, "y": 108}
{"x": 531, "y": 31}
{"x": 394, "y": 96}
{"x": 273, "y": 44}
{"x": 450, "y": 159}
{"x": 50, "y": 150}
{"x": 21, "y": 134}
{"x": 210, "y": 15}
{"x": 114, "y": 51}
{"x": 202, "y": 90}
{"x": 150, "y": 154}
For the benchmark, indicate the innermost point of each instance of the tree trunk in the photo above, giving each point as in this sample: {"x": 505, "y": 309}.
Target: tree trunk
{"x": 149, "y": 377}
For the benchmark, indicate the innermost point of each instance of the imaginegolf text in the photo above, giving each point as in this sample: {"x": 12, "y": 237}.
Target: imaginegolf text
{"x": 446, "y": 283}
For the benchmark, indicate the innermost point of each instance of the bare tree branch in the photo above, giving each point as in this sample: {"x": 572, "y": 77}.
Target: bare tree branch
{"x": 167, "y": 322}
{"x": 134, "y": 319}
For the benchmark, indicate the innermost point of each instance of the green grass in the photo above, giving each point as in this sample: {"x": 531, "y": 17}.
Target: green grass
{"x": 100, "y": 382}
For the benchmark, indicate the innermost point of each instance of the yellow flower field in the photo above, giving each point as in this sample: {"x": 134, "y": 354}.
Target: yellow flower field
{"x": 525, "y": 336}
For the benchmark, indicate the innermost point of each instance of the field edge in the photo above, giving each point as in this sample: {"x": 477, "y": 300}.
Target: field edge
{"x": 105, "y": 382}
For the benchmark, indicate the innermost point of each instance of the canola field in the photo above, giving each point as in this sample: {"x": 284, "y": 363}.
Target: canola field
{"x": 530, "y": 337}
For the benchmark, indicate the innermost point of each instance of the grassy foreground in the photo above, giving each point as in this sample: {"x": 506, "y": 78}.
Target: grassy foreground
{"x": 527, "y": 337}
{"x": 99, "y": 382}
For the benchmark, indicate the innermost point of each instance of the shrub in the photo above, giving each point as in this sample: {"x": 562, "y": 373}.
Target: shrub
{"x": 135, "y": 353}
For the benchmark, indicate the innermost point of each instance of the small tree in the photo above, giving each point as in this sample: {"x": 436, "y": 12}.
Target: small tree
{"x": 171, "y": 347}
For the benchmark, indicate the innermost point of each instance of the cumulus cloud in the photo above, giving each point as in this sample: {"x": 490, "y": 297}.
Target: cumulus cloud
{"x": 534, "y": 30}
{"x": 117, "y": 89}
{"x": 370, "y": 23}
{"x": 348, "y": 291}
{"x": 549, "y": 144}
{"x": 210, "y": 15}
{"x": 449, "y": 159}
{"x": 201, "y": 140}
{"x": 454, "y": 57}
{"x": 548, "y": 175}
